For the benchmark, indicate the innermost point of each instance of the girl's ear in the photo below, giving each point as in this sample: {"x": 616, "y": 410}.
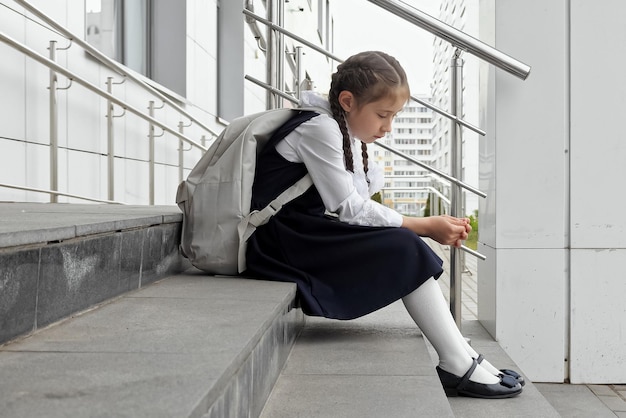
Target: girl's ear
{"x": 346, "y": 100}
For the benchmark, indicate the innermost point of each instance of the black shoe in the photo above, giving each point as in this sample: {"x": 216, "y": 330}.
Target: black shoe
{"x": 506, "y": 372}
{"x": 515, "y": 375}
{"x": 462, "y": 386}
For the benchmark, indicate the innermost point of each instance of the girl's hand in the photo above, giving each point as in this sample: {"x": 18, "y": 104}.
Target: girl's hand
{"x": 444, "y": 229}
{"x": 448, "y": 230}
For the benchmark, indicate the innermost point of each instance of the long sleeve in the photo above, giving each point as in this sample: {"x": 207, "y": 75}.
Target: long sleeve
{"x": 318, "y": 144}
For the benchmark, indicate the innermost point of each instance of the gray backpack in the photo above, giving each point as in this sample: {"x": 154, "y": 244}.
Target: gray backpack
{"x": 215, "y": 199}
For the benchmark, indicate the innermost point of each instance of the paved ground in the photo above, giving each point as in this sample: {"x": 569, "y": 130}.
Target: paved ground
{"x": 576, "y": 401}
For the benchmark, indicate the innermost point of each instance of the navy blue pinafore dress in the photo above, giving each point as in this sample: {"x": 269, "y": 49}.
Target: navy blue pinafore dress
{"x": 342, "y": 271}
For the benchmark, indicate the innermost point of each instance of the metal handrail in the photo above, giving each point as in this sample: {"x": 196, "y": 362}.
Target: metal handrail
{"x": 272, "y": 89}
{"x": 52, "y": 192}
{"x": 111, "y": 63}
{"x": 387, "y": 147}
{"x": 456, "y": 37}
{"x": 432, "y": 170}
{"x": 419, "y": 190}
{"x": 67, "y": 73}
{"x": 322, "y": 51}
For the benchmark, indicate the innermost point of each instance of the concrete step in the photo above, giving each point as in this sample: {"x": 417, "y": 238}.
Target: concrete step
{"x": 101, "y": 326}
{"x": 189, "y": 345}
{"x": 375, "y": 366}
{"x": 381, "y": 366}
{"x": 58, "y": 259}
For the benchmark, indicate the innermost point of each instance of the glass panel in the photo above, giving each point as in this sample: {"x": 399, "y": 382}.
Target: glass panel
{"x": 120, "y": 29}
{"x": 100, "y": 26}
{"x": 136, "y": 31}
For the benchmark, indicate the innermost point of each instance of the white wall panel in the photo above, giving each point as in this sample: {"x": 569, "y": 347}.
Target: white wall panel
{"x": 37, "y": 166}
{"x": 598, "y": 316}
{"x": 12, "y": 168}
{"x": 487, "y": 298}
{"x": 84, "y": 116}
{"x": 524, "y": 172}
{"x": 85, "y": 173}
{"x": 37, "y": 103}
{"x": 531, "y": 310}
{"x": 12, "y": 99}
{"x": 598, "y": 139}
{"x": 531, "y": 123}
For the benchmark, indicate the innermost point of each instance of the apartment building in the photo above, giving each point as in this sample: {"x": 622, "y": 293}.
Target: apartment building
{"x": 406, "y": 183}
{"x": 462, "y": 15}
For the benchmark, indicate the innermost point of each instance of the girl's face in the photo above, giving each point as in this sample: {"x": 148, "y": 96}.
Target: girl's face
{"x": 373, "y": 120}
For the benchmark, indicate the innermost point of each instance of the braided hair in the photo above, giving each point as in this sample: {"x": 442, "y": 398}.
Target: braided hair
{"x": 369, "y": 76}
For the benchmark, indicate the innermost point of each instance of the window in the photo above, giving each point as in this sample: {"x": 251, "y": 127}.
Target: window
{"x": 147, "y": 36}
{"x": 323, "y": 22}
{"x": 121, "y": 30}
{"x": 399, "y": 163}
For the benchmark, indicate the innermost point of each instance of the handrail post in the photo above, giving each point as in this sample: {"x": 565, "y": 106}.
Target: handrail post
{"x": 54, "y": 133}
{"x": 275, "y": 57}
{"x": 181, "y": 155}
{"x": 151, "y": 154}
{"x": 456, "y": 164}
{"x": 111, "y": 139}
{"x": 270, "y": 57}
{"x": 298, "y": 81}
{"x": 280, "y": 56}
{"x": 110, "y": 145}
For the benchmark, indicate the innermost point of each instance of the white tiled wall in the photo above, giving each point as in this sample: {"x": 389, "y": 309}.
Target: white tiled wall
{"x": 598, "y": 315}
{"x": 598, "y": 225}
{"x": 532, "y": 310}
{"x": 552, "y": 164}
{"x": 81, "y": 115}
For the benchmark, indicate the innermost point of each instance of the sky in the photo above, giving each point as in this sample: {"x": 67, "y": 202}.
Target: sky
{"x": 361, "y": 25}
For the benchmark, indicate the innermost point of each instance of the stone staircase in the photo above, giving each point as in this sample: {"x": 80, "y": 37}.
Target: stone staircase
{"x": 101, "y": 317}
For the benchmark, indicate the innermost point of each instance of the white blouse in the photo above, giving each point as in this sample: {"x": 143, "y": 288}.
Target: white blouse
{"x": 318, "y": 144}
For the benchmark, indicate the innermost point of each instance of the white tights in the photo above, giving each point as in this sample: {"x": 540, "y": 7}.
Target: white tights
{"x": 429, "y": 309}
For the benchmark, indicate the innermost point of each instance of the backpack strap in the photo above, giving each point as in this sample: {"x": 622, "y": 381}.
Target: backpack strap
{"x": 254, "y": 219}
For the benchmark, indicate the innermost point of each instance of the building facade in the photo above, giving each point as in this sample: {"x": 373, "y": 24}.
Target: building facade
{"x": 406, "y": 183}
{"x": 197, "y": 53}
{"x": 462, "y": 15}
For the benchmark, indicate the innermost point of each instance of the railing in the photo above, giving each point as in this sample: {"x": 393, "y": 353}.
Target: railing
{"x": 460, "y": 39}
{"x": 463, "y": 42}
{"x": 57, "y": 193}
{"x": 115, "y": 66}
{"x": 153, "y": 122}
{"x": 335, "y": 58}
{"x": 291, "y": 98}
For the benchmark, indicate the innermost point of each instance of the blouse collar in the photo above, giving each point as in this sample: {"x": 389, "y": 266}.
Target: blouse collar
{"x": 310, "y": 98}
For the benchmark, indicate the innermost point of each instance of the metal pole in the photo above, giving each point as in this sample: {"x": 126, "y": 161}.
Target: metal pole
{"x": 456, "y": 194}
{"x": 54, "y": 134}
{"x": 298, "y": 80}
{"x": 151, "y": 154}
{"x": 181, "y": 156}
{"x": 270, "y": 57}
{"x": 110, "y": 144}
{"x": 280, "y": 56}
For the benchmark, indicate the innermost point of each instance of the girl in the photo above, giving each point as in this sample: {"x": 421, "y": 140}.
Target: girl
{"x": 348, "y": 254}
